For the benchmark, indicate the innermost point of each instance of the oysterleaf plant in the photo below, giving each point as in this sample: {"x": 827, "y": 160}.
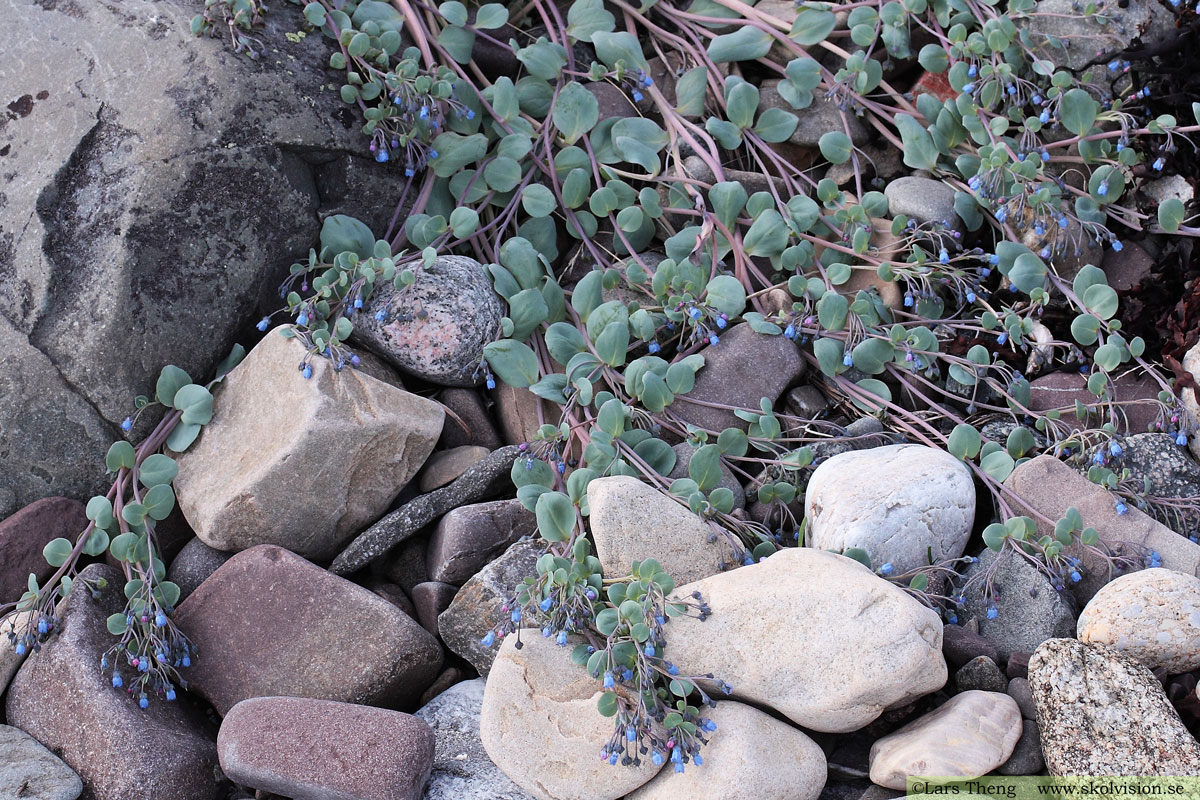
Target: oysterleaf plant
{"x": 626, "y": 245}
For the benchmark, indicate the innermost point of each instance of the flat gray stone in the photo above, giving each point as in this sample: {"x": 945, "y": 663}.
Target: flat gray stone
{"x": 29, "y": 770}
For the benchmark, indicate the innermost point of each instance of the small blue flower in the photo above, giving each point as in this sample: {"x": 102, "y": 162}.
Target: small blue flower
{"x": 637, "y": 96}
{"x": 547, "y": 632}
{"x": 358, "y": 302}
{"x": 516, "y": 615}
{"x": 672, "y": 669}
{"x": 1122, "y": 508}
{"x": 908, "y": 300}
{"x": 489, "y": 640}
{"x": 649, "y": 651}
{"x": 424, "y": 112}
{"x": 1181, "y": 439}
{"x": 307, "y": 371}
{"x": 654, "y": 347}
{"x": 1102, "y": 189}
{"x": 170, "y": 695}
{"x": 117, "y": 682}
{"x": 695, "y": 313}
{"x": 678, "y": 767}
{"x": 1002, "y": 213}
{"x": 789, "y": 332}
{"x": 160, "y": 619}
{"x": 697, "y": 760}
{"x": 627, "y": 675}
{"x": 1159, "y": 163}
{"x": 1075, "y": 576}
{"x": 721, "y": 323}
{"x": 943, "y": 257}
{"x": 1044, "y": 117}
{"x": 1045, "y": 156}
{"x": 968, "y": 87}
{"x": 848, "y": 360}
{"x": 264, "y": 323}
{"x": 657, "y": 758}
{"x": 355, "y": 360}
{"x": 1063, "y": 221}
{"x": 491, "y": 382}
{"x": 302, "y": 319}
{"x": 972, "y": 71}
{"x": 970, "y": 297}
{"x": 546, "y": 603}
{"x": 1115, "y": 449}
{"x": 992, "y": 612}
{"x": 561, "y": 639}
{"x": 433, "y": 154}
{"x": 381, "y": 155}
{"x": 609, "y": 682}
{"x": 984, "y": 272}
{"x": 713, "y": 339}
{"x": 143, "y": 702}
{"x": 708, "y": 725}
{"x": 887, "y": 569}
{"x": 748, "y": 560}
{"x": 186, "y": 662}
{"x": 630, "y": 734}
{"x": 1117, "y": 246}
{"x": 470, "y": 113}
{"x": 1036, "y": 99}
{"x": 20, "y": 649}
{"x": 380, "y": 315}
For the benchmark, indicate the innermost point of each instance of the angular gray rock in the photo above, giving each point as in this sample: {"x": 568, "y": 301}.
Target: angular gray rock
{"x": 852, "y": 646}
{"x": 195, "y": 562}
{"x": 279, "y": 625}
{"x": 632, "y": 521}
{"x": 29, "y": 770}
{"x": 462, "y": 769}
{"x": 1026, "y": 758}
{"x": 436, "y": 328}
{"x": 1101, "y": 713}
{"x": 981, "y": 673}
{"x": 1028, "y": 609}
{"x": 476, "y": 607}
{"x": 540, "y": 725}
{"x": 468, "y": 537}
{"x": 897, "y": 502}
{"x": 61, "y": 698}
{"x": 816, "y": 120}
{"x": 1071, "y": 40}
{"x": 148, "y": 218}
{"x": 301, "y": 463}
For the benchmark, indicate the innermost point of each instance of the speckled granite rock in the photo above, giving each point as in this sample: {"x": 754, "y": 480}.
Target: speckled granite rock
{"x": 462, "y": 769}
{"x": 28, "y": 771}
{"x": 1101, "y": 713}
{"x": 1152, "y": 615}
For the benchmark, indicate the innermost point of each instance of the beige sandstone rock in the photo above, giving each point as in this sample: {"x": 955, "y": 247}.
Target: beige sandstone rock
{"x": 304, "y": 464}
{"x": 814, "y": 635}
{"x": 539, "y": 724}
{"x": 971, "y": 735}
{"x": 632, "y": 521}
{"x": 1152, "y": 616}
{"x": 739, "y": 763}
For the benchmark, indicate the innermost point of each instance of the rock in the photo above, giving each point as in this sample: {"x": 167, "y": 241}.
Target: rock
{"x": 1128, "y": 267}
{"x": 683, "y": 458}
{"x": 1171, "y": 471}
{"x": 808, "y": 402}
{"x": 632, "y": 521}
{"x": 447, "y": 466}
{"x": 816, "y": 120}
{"x": 12, "y": 623}
{"x": 1028, "y": 609}
{"x": 1050, "y": 487}
{"x": 539, "y": 724}
{"x": 1071, "y": 40}
{"x": 405, "y": 565}
{"x": 474, "y": 484}
{"x": 1026, "y": 758}
{"x": 1060, "y": 390}
{"x": 897, "y": 503}
{"x": 449, "y": 677}
{"x": 825, "y": 668}
{"x": 393, "y": 594}
{"x": 298, "y": 640}
{"x": 469, "y": 537}
{"x": 475, "y": 609}
{"x": 1152, "y": 616}
{"x": 436, "y": 328}
{"x": 303, "y": 464}
{"x": 1191, "y": 396}
{"x": 613, "y": 101}
{"x": 883, "y": 245}
{"x": 923, "y": 199}
{"x": 736, "y": 766}
{"x": 981, "y": 673}
{"x": 1101, "y": 713}
{"x": 24, "y": 534}
{"x": 461, "y": 767}
{"x": 520, "y": 413}
{"x": 29, "y": 770}
{"x": 61, "y": 698}
{"x": 467, "y": 420}
{"x": 1175, "y": 187}
{"x": 739, "y": 371}
{"x": 1018, "y": 665}
{"x": 960, "y": 646}
{"x": 305, "y": 748}
{"x": 969, "y": 736}
{"x": 195, "y": 562}
{"x": 431, "y": 599}
{"x": 121, "y": 184}
{"x": 1018, "y": 689}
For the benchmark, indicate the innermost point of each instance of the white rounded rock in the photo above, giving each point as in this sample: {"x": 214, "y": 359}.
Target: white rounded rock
{"x": 814, "y": 635}
{"x": 1152, "y": 616}
{"x": 737, "y": 764}
{"x": 896, "y": 502}
{"x": 971, "y": 735}
{"x": 540, "y": 725}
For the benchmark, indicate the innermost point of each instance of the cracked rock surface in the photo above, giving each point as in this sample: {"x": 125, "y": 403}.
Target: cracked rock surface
{"x": 145, "y": 219}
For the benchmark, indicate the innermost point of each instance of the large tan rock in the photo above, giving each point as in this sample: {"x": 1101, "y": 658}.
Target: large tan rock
{"x": 1191, "y": 362}
{"x": 301, "y": 463}
{"x": 971, "y": 735}
{"x": 1050, "y": 487}
{"x": 632, "y": 521}
{"x": 1152, "y": 616}
{"x": 814, "y": 635}
{"x": 736, "y": 763}
{"x": 899, "y": 503}
{"x": 540, "y": 725}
